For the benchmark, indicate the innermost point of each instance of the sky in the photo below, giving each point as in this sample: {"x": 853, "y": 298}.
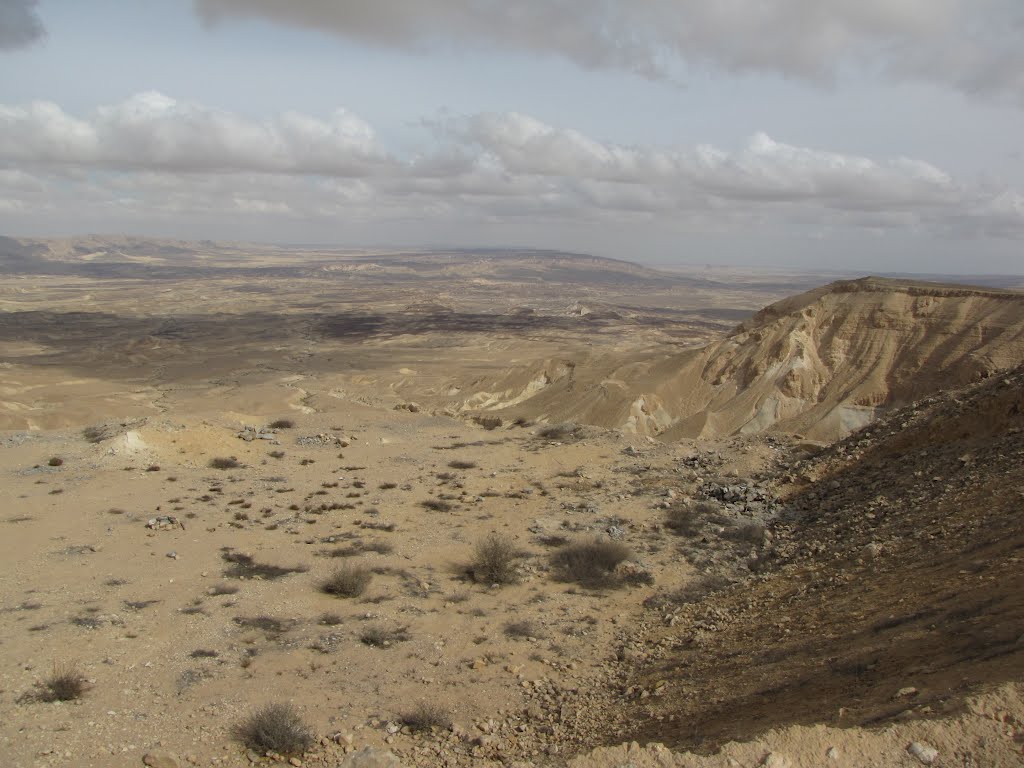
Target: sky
{"x": 871, "y": 135}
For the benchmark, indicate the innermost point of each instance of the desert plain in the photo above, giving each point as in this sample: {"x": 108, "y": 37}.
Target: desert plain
{"x": 495, "y": 507}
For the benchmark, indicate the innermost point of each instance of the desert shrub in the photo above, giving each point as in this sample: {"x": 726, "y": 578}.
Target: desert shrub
{"x": 684, "y": 520}
{"x": 276, "y": 454}
{"x": 347, "y": 581}
{"x": 522, "y": 629}
{"x": 224, "y": 462}
{"x": 426, "y": 716}
{"x": 387, "y": 486}
{"x": 64, "y": 683}
{"x": 275, "y": 728}
{"x": 330, "y": 619}
{"x": 494, "y": 560}
{"x": 558, "y": 431}
{"x": 204, "y": 653}
{"x": 488, "y": 422}
{"x": 359, "y": 548}
{"x": 268, "y": 624}
{"x": 282, "y": 424}
{"x": 436, "y": 505}
{"x": 552, "y": 540}
{"x": 55, "y": 461}
{"x": 382, "y": 637}
{"x": 462, "y": 464}
{"x": 696, "y": 590}
{"x": 246, "y": 567}
{"x": 746, "y": 533}
{"x": 592, "y": 563}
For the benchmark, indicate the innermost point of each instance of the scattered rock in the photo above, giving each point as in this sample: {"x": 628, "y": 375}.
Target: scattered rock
{"x": 161, "y": 759}
{"x": 368, "y": 757}
{"x": 925, "y": 753}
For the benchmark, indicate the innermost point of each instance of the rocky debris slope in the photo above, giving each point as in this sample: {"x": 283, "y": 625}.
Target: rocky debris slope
{"x": 891, "y": 587}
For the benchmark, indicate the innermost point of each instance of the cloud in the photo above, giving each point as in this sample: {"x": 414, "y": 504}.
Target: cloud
{"x": 20, "y": 26}
{"x": 153, "y": 155}
{"x": 153, "y": 131}
{"x": 976, "y": 46}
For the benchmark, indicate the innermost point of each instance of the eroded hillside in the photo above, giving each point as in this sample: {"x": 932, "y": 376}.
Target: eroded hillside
{"x": 819, "y": 364}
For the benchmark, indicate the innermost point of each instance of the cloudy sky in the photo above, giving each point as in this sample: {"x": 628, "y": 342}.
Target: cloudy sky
{"x": 883, "y": 135}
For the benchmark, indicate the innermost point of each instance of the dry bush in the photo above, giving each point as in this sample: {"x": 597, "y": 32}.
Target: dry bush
{"x": 64, "y": 683}
{"x": 745, "y": 533}
{"x": 267, "y": 624}
{"x": 684, "y": 521}
{"x": 55, "y": 461}
{"x": 246, "y": 567}
{"x": 426, "y": 716}
{"x": 592, "y": 563}
{"x": 696, "y": 590}
{"x": 224, "y": 462}
{"x": 275, "y": 728}
{"x": 381, "y": 637}
{"x": 347, "y": 581}
{"x": 558, "y": 431}
{"x": 462, "y": 464}
{"x": 523, "y": 629}
{"x": 282, "y": 424}
{"x": 436, "y": 505}
{"x": 494, "y": 560}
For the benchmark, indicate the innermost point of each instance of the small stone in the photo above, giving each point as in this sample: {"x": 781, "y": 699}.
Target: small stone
{"x": 295, "y": 761}
{"x": 832, "y": 753}
{"x": 774, "y": 760}
{"x": 903, "y": 693}
{"x": 161, "y": 759}
{"x": 925, "y": 753}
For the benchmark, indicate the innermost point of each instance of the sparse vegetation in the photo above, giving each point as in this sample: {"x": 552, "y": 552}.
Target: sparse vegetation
{"x": 275, "y": 728}
{"x": 268, "y": 624}
{"x": 94, "y": 434}
{"x": 224, "y": 462}
{"x": 55, "y": 461}
{"x": 436, "y": 505}
{"x": 244, "y": 566}
{"x": 426, "y": 716}
{"x": 558, "y": 431}
{"x": 519, "y": 630}
{"x": 746, "y": 532}
{"x": 381, "y": 637}
{"x": 462, "y": 464}
{"x": 276, "y": 454}
{"x": 494, "y": 560}
{"x": 696, "y": 590}
{"x": 591, "y": 564}
{"x": 282, "y": 424}
{"x": 64, "y": 683}
{"x": 347, "y": 581}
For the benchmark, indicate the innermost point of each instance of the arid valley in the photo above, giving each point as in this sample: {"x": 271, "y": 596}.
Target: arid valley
{"x": 498, "y": 507}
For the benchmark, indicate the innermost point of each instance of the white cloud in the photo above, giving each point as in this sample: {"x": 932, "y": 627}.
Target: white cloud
{"x": 151, "y": 130}
{"x": 152, "y": 155}
{"x": 976, "y": 46}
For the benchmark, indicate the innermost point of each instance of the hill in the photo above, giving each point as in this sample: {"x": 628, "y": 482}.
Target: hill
{"x": 819, "y": 364}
